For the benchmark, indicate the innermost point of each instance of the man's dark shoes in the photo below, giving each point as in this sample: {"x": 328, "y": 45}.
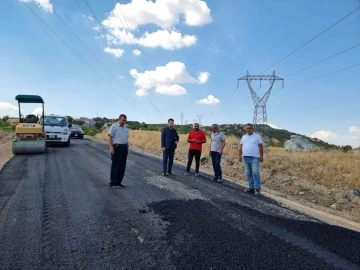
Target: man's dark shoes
{"x": 170, "y": 173}
{"x": 112, "y": 185}
{"x": 249, "y": 190}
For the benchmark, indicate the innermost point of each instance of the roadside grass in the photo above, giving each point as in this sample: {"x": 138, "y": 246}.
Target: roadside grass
{"x": 332, "y": 169}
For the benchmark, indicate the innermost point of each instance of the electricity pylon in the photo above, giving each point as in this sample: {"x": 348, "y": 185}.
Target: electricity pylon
{"x": 260, "y": 115}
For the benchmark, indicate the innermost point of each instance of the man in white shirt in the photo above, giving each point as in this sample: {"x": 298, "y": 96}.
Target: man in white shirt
{"x": 251, "y": 152}
{"x": 118, "y": 140}
{"x": 216, "y": 149}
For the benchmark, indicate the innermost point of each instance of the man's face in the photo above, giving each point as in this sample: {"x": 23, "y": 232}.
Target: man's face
{"x": 122, "y": 121}
{"x": 196, "y": 127}
{"x": 249, "y": 129}
{"x": 171, "y": 124}
{"x": 213, "y": 128}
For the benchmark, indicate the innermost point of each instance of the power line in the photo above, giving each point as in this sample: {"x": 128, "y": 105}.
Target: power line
{"x": 324, "y": 60}
{"x": 312, "y": 39}
{"x": 99, "y": 23}
{"x": 75, "y": 52}
{"x": 233, "y": 93}
{"x": 348, "y": 67}
{"x": 317, "y": 44}
{"x": 293, "y": 27}
{"x": 314, "y": 78}
{"x": 292, "y": 53}
{"x": 131, "y": 43}
{"x": 112, "y": 75}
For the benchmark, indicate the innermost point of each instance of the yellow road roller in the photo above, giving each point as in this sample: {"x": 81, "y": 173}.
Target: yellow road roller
{"x": 30, "y": 136}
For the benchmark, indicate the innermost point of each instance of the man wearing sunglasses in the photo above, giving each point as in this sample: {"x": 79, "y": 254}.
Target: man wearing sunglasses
{"x": 251, "y": 152}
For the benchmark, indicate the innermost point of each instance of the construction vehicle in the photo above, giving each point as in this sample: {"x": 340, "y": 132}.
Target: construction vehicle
{"x": 30, "y": 135}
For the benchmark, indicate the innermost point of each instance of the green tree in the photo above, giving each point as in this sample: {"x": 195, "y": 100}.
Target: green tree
{"x": 78, "y": 122}
{"x": 98, "y": 125}
{"x": 70, "y": 118}
{"x": 346, "y": 148}
{"x": 5, "y": 118}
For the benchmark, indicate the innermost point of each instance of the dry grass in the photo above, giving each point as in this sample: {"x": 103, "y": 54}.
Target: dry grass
{"x": 332, "y": 169}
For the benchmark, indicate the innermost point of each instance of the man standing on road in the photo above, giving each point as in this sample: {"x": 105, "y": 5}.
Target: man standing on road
{"x": 169, "y": 140}
{"x": 251, "y": 152}
{"x": 196, "y": 138}
{"x": 216, "y": 149}
{"x": 118, "y": 139}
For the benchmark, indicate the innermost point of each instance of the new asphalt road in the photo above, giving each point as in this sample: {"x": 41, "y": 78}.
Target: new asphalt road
{"x": 58, "y": 212}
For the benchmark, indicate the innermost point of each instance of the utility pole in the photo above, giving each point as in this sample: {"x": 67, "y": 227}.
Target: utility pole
{"x": 199, "y": 116}
{"x": 182, "y": 118}
{"x": 260, "y": 114}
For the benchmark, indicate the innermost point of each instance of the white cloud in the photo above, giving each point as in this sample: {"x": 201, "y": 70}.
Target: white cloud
{"x": 142, "y": 92}
{"x": 273, "y": 126}
{"x": 161, "y": 38}
{"x": 324, "y": 135}
{"x": 37, "y": 111}
{"x": 171, "y": 90}
{"x": 115, "y": 52}
{"x": 333, "y": 138}
{"x": 136, "y": 52}
{"x": 126, "y": 18}
{"x": 209, "y": 100}
{"x": 6, "y": 106}
{"x": 203, "y": 77}
{"x": 43, "y": 4}
{"x": 164, "y": 79}
{"x": 354, "y": 129}
{"x": 171, "y": 73}
{"x": 166, "y": 40}
{"x": 164, "y": 14}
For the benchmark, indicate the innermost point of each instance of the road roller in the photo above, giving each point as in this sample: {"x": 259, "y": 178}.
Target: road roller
{"x": 30, "y": 135}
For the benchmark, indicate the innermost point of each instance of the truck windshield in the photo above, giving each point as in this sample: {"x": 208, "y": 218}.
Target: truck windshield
{"x": 55, "y": 121}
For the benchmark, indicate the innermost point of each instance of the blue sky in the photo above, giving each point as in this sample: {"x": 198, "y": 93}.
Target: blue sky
{"x": 193, "y": 53}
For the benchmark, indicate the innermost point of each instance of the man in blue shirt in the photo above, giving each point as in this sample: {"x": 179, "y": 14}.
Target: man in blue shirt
{"x": 169, "y": 140}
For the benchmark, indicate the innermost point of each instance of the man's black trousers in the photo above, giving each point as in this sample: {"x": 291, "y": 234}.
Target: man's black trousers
{"x": 118, "y": 164}
{"x": 197, "y": 155}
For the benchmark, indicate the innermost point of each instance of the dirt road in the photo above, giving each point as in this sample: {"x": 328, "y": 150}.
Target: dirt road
{"x": 58, "y": 212}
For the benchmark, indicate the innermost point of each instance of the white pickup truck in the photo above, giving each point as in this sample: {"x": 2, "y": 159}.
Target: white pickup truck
{"x": 57, "y": 128}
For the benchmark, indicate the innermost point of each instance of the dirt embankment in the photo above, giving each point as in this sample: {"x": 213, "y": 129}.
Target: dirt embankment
{"x": 321, "y": 180}
{"x": 5, "y": 148}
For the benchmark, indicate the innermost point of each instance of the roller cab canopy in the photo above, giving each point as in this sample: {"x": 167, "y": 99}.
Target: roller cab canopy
{"x": 29, "y": 99}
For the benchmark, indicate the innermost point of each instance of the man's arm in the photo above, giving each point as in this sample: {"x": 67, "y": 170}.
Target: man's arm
{"x": 110, "y": 136}
{"x": 222, "y": 143}
{"x": 177, "y": 138}
{"x": 240, "y": 151}
{"x": 163, "y": 138}
{"x": 261, "y": 148}
{"x": 189, "y": 140}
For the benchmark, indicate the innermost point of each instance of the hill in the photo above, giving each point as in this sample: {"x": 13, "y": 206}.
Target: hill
{"x": 277, "y": 136}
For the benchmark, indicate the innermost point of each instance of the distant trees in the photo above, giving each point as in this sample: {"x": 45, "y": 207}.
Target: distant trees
{"x": 346, "y": 148}
{"x": 5, "y": 118}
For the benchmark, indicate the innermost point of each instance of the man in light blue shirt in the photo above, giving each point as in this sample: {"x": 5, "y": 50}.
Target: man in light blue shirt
{"x": 216, "y": 150}
{"x": 251, "y": 152}
{"x": 118, "y": 139}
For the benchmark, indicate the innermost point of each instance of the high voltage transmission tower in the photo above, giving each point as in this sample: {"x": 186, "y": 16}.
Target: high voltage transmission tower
{"x": 260, "y": 116}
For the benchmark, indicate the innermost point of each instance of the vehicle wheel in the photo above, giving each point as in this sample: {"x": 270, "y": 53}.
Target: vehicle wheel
{"x": 82, "y": 137}
{"x": 67, "y": 144}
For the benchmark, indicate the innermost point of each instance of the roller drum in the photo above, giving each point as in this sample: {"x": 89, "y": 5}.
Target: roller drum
{"x": 29, "y": 147}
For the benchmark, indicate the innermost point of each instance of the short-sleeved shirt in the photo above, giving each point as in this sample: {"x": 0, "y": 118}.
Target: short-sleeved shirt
{"x": 199, "y": 135}
{"x": 216, "y": 141}
{"x": 119, "y": 134}
{"x": 250, "y": 144}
